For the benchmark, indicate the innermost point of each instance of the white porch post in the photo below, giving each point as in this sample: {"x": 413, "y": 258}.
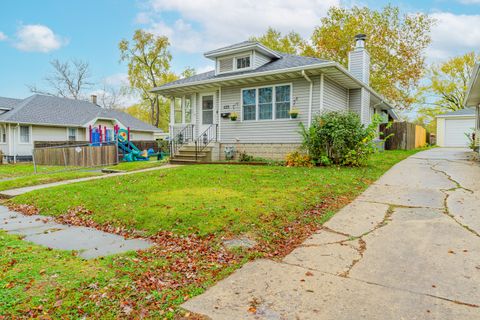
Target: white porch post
{"x": 172, "y": 116}
{"x": 219, "y": 111}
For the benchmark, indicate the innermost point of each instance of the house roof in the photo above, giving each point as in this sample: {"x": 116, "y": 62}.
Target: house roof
{"x": 49, "y": 110}
{"x": 286, "y": 61}
{"x": 8, "y": 103}
{"x": 288, "y": 66}
{"x": 459, "y": 113}
{"x": 473, "y": 93}
{"x": 242, "y": 46}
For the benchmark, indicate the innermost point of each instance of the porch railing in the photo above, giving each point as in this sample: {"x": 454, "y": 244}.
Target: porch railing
{"x": 204, "y": 139}
{"x": 184, "y": 136}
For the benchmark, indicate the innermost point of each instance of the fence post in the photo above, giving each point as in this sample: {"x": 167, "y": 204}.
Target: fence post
{"x": 64, "y": 157}
{"x": 34, "y": 163}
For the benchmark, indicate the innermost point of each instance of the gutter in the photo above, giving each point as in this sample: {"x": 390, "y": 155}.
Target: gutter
{"x": 310, "y": 98}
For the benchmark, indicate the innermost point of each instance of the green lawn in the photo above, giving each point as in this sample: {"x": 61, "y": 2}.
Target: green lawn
{"x": 186, "y": 210}
{"x": 24, "y": 169}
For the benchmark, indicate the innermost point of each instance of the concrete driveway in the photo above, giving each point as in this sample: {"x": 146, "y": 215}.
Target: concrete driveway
{"x": 408, "y": 248}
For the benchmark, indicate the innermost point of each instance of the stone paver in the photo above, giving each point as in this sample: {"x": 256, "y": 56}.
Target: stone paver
{"x": 408, "y": 248}
{"x": 18, "y": 191}
{"x": 90, "y": 243}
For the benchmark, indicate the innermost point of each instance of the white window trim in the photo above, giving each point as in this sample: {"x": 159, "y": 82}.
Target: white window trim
{"x": 200, "y": 122}
{"x": 274, "y": 106}
{"x": 184, "y": 100}
{"x": 234, "y": 62}
{"x": 4, "y": 126}
{"x": 182, "y": 120}
{"x": 20, "y": 135}
{"x": 76, "y": 133}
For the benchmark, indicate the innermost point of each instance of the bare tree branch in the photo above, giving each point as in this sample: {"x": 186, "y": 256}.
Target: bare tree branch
{"x": 69, "y": 79}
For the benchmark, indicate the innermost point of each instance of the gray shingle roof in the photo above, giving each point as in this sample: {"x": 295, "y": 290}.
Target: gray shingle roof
{"x": 48, "y": 110}
{"x": 9, "y": 102}
{"x": 462, "y": 112}
{"x": 286, "y": 61}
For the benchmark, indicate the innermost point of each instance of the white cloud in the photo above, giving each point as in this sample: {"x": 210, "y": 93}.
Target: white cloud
{"x": 37, "y": 38}
{"x": 453, "y": 35}
{"x": 3, "y": 36}
{"x": 116, "y": 80}
{"x": 209, "y": 24}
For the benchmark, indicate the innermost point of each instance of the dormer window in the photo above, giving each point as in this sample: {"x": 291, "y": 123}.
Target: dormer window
{"x": 243, "y": 62}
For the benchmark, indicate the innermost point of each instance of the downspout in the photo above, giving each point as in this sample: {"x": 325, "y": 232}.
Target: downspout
{"x": 304, "y": 74}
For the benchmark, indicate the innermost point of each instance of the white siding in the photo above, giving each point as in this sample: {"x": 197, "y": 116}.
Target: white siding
{"x": 140, "y": 135}
{"x": 336, "y": 97}
{"x": 265, "y": 131}
{"x": 260, "y": 59}
{"x": 359, "y": 65}
{"x": 225, "y": 65}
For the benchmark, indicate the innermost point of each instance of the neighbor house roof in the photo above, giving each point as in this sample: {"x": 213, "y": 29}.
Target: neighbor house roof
{"x": 473, "y": 93}
{"x": 459, "y": 113}
{"x": 8, "y": 103}
{"x": 56, "y": 111}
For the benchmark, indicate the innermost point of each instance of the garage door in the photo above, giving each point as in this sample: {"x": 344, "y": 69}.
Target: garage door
{"x": 455, "y": 130}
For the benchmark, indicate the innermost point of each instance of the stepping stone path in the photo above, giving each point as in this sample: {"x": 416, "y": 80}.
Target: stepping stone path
{"x": 89, "y": 242}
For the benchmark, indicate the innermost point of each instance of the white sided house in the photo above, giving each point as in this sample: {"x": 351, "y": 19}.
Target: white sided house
{"x": 472, "y": 100}
{"x": 262, "y": 87}
{"x": 52, "y": 119}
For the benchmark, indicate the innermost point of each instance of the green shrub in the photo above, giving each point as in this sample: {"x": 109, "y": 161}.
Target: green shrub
{"x": 340, "y": 138}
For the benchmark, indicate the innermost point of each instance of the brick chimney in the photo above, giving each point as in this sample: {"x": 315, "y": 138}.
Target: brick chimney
{"x": 94, "y": 99}
{"x": 359, "y": 60}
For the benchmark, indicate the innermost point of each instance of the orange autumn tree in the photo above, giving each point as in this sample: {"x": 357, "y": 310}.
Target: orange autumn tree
{"x": 396, "y": 43}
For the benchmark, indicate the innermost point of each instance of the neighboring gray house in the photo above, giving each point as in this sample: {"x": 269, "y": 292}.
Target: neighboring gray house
{"x": 262, "y": 86}
{"x": 47, "y": 118}
{"x": 473, "y": 99}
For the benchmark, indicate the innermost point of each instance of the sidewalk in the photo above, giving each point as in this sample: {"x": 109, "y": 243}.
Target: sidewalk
{"x": 407, "y": 248}
{"x": 18, "y": 191}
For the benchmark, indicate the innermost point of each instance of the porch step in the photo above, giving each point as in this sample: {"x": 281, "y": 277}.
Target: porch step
{"x": 184, "y": 161}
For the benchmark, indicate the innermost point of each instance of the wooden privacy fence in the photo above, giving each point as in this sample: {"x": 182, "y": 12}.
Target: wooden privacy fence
{"x": 76, "y": 156}
{"x": 404, "y": 136}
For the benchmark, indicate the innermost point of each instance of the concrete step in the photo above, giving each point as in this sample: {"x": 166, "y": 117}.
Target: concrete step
{"x": 192, "y": 148}
{"x": 184, "y": 161}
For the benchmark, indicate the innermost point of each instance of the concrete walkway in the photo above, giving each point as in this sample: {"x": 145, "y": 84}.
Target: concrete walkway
{"x": 89, "y": 242}
{"x": 18, "y": 191}
{"x": 407, "y": 248}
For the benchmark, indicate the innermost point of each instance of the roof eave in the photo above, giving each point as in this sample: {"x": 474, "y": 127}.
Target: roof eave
{"x": 473, "y": 85}
{"x": 255, "y": 46}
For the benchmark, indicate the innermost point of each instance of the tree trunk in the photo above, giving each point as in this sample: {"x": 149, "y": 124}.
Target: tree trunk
{"x": 157, "y": 112}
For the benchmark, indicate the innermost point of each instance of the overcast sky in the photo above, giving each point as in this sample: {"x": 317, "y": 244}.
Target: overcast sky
{"x": 34, "y": 32}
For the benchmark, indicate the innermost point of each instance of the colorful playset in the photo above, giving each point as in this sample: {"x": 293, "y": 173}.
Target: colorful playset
{"x": 102, "y": 135}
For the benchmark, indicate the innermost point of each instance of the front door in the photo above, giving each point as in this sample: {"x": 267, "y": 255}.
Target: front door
{"x": 207, "y": 111}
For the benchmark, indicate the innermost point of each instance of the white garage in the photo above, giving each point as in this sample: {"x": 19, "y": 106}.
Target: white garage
{"x": 452, "y": 126}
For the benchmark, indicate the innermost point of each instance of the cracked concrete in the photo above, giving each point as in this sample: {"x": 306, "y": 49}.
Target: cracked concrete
{"x": 407, "y": 248}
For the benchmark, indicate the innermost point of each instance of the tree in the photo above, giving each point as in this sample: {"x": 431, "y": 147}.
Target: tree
{"x": 291, "y": 43}
{"x": 396, "y": 43}
{"x": 445, "y": 89}
{"x": 69, "y": 79}
{"x": 148, "y": 61}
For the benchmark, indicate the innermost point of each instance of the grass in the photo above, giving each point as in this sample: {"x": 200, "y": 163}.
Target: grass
{"x": 22, "y": 174}
{"x": 188, "y": 209}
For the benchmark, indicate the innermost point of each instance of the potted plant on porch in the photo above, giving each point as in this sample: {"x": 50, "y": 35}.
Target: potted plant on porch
{"x": 293, "y": 113}
{"x": 233, "y": 116}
